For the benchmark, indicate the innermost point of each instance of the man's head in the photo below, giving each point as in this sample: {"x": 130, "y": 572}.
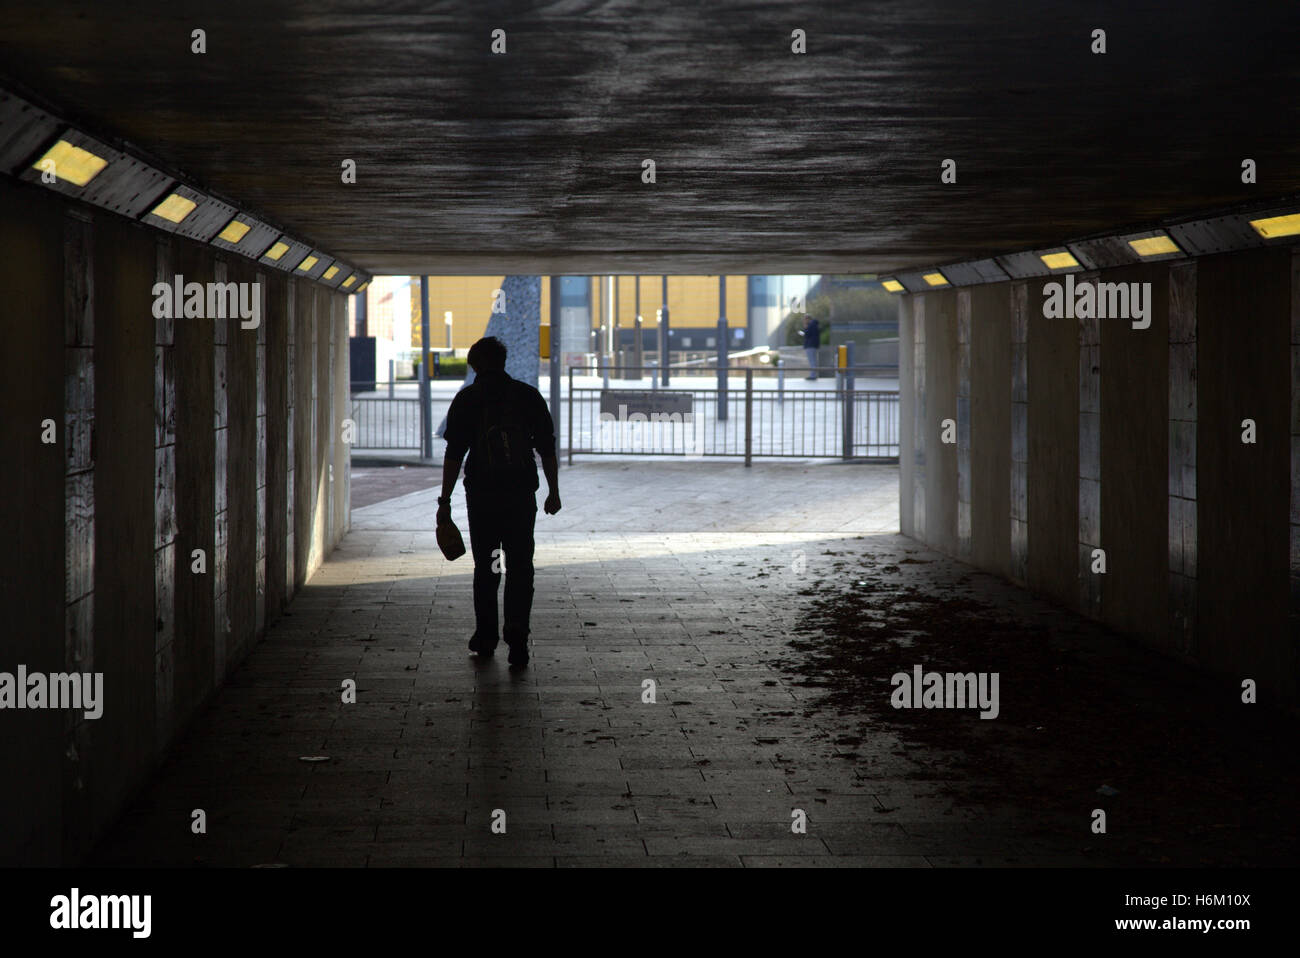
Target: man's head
{"x": 488, "y": 355}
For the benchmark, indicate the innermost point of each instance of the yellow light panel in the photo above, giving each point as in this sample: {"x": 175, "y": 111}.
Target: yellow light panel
{"x": 1059, "y": 260}
{"x": 308, "y": 263}
{"x": 1274, "y": 226}
{"x": 362, "y": 287}
{"x": 1154, "y": 246}
{"x": 278, "y": 250}
{"x": 174, "y": 209}
{"x": 234, "y": 231}
{"x": 72, "y": 163}
{"x": 935, "y": 279}
{"x": 350, "y": 280}
{"x": 329, "y": 273}
{"x": 893, "y": 285}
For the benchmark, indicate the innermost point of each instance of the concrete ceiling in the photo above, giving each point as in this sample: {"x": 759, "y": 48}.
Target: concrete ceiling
{"x": 766, "y": 161}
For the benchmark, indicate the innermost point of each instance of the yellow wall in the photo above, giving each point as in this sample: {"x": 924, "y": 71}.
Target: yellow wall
{"x": 692, "y": 301}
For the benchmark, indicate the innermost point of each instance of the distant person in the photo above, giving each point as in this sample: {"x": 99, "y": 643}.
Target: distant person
{"x": 499, "y": 421}
{"x": 812, "y": 339}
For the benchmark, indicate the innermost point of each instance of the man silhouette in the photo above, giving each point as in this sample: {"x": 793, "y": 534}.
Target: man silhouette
{"x": 812, "y": 339}
{"x": 499, "y": 421}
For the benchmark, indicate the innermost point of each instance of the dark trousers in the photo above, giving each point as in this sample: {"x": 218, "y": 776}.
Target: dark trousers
{"x": 502, "y": 521}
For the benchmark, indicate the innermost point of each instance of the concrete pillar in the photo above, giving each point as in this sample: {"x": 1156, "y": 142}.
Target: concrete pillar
{"x": 260, "y": 577}
{"x": 165, "y": 557}
{"x": 291, "y": 454}
{"x": 1019, "y": 432}
{"x": 1090, "y": 583}
{"x": 1182, "y": 456}
{"x": 920, "y": 414}
{"x": 906, "y": 416}
{"x": 220, "y": 491}
{"x": 79, "y": 514}
{"x": 963, "y": 424}
{"x": 1293, "y": 613}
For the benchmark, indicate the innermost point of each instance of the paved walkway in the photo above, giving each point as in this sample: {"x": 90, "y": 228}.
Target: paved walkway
{"x": 680, "y": 573}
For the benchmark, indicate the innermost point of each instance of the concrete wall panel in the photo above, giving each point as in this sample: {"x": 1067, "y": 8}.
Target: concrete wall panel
{"x": 941, "y": 404}
{"x": 1053, "y": 475}
{"x": 32, "y": 580}
{"x": 122, "y": 740}
{"x": 1134, "y": 450}
{"x": 103, "y": 523}
{"x": 990, "y": 385}
{"x": 1243, "y": 490}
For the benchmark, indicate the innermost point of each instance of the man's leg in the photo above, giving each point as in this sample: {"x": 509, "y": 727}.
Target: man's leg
{"x": 812, "y": 362}
{"x": 519, "y": 519}
{"x": 484, "y": 539}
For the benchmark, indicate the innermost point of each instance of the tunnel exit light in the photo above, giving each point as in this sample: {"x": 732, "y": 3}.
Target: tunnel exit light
{"x": 1154, "y": 246}
{"x": 71, "y": 163}
{"x": 1274, "y": 226}
{"x": 935, "y": 279}
{"x": 234, "y": 232}
{"x": 330, "y": 273}
{"x": 1059, "y": 260}
{"x": 308, "y": 263}
{"x": 174, "y": 209}
{"x": 278, "y": 250}
{"x": 893, "y": 285}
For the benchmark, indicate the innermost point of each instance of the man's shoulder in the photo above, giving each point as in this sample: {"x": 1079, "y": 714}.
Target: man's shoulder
{"x": 525, "y": 389}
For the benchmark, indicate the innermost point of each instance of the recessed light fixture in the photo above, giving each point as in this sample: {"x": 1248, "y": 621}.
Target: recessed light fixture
{"x": 235, "y": 231}
{"x": 350, "y": 280}
{"x": 1062, "y": 260}
{"x": 71, "y": 163}
{"x": 308, "y": 263}
{"x": 1154, "y": 246}
{"x": 278, "y": 250}
{"x": 174, "y": 209}
{"x": 362, "y": 287}
{"x": 330, "y": 273}
{"x": 935, "y": 279}
{"x": 893, "y": 285}
{"x": 1272, "y": 227}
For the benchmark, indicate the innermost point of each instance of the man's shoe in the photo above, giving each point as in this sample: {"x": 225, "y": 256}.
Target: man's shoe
{"x": 519, "y": 653}
{"x": 481, "y": 648}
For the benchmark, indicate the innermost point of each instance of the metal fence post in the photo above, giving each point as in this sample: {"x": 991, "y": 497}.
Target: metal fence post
{"x": 426, "y": 391}
{"x": 780, "y": 381}
{"x": 390, "y": 379}
{"x": 847, "y": 450}
{"x": 570, "y": 415}
{"x": 749, "y": 417}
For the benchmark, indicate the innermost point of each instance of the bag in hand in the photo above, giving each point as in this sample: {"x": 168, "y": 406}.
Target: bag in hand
{"x": 450, "y": 541}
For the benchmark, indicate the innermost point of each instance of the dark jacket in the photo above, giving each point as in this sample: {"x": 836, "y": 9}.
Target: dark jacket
{"x": 812, "y": 336}
{"x": 465, "y": 418}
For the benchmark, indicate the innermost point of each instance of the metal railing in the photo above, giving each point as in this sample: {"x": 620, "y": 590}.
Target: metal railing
{"x": 385, "y": 422}
{"x": 762, "y": 419}
{"x": 772, "y": 422}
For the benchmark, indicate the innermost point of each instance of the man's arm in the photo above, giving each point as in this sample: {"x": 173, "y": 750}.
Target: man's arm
{"x": 450, "y": 470}
{"x": 457, "y": 447}
{"x": 544, "y": 441}
{"x": 551, "y": 469}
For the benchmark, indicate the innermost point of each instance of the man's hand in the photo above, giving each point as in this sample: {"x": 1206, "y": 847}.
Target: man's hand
{"x": 444, "y": 513}
{"x": 552, "y": 505}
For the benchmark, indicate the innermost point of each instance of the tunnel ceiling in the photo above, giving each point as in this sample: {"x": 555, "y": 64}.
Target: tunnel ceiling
{"x": 767, "y": 161}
